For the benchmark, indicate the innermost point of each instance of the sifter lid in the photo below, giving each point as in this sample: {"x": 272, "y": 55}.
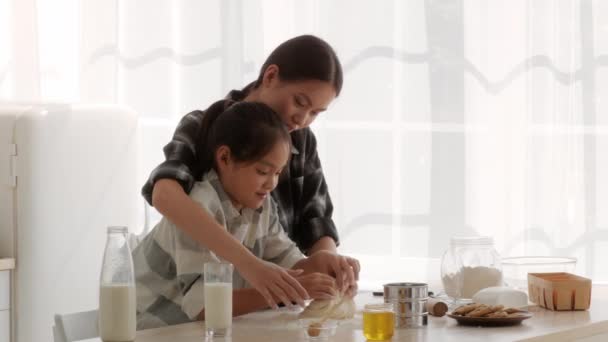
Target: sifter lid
{"x": 405, "y": 291}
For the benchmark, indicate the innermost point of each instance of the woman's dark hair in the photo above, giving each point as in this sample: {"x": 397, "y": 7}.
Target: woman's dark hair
{"x": 249, "y": 129}
{"x": 305, "y": 58}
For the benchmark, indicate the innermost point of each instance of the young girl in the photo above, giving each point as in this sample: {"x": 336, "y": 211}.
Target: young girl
{"x": 299, "y": 80}
{"x": 248, "y": 146}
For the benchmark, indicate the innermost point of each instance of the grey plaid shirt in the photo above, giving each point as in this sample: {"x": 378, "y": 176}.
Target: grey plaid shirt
{"x": 169, "y": 265}
{"x": 305, "y": 207}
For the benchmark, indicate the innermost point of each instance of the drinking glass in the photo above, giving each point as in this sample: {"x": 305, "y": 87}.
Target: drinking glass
{"x": 218, "y": 299}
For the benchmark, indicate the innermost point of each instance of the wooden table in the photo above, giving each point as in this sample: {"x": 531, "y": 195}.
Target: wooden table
{"x": 588, "y": 326}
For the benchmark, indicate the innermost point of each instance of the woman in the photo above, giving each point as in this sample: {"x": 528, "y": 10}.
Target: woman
{"x": 299, "y": 80}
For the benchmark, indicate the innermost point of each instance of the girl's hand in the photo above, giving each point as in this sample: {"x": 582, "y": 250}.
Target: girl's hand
{"x": 274, "y": 281}
{"x": 318, "y": 285}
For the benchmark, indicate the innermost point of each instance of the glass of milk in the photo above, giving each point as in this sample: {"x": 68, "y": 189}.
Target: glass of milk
{"x": 218, "y": 299}
{"x": 117, "y": 313}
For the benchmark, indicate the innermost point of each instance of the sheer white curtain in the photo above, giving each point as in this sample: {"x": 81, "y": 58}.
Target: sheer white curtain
{"x": 457, "y": 117}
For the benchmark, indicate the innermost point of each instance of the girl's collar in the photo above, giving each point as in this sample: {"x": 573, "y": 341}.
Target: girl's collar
{"x": 230, "y": 210}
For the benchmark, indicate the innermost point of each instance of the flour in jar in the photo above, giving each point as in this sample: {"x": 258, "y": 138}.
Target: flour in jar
{"x": 472, "y": 279}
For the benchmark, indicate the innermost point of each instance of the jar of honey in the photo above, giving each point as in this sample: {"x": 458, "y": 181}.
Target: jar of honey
{"x": 378, "y": 321}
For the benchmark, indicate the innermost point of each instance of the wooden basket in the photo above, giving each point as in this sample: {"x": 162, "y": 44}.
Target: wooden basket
{"x": 559, "y": 291}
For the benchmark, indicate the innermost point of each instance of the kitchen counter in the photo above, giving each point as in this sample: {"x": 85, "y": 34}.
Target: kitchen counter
{"x": 7, "y": 264}
{"x": 588, "y": 326}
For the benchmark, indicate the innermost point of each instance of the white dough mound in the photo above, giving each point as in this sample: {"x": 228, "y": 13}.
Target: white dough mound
{"x": 318, "y": 308}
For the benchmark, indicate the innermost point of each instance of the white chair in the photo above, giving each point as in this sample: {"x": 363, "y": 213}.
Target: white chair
{"x": 75, "y": 327}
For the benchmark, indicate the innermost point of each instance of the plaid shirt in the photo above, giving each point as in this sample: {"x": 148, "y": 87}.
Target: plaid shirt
{"x": 305, "y": 207}
{"x": 169, "y": 265}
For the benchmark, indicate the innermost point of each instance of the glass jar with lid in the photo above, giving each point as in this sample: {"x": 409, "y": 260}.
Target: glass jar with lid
{"x": 469, "y": 265}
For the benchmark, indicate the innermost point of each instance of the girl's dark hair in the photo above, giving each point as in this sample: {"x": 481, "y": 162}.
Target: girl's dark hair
{"x": 249, "y": 129}
{"x": 305, "y": 58}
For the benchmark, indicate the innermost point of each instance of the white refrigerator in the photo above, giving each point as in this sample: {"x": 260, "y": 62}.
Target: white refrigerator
{"x": 67, "y": 172}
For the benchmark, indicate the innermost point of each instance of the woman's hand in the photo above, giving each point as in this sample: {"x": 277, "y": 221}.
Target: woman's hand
{"x": 345, "y": 269}
{"x": 351, "y": 291}
{"x": 273, "y": 281}
{"x": 318, "y": 285}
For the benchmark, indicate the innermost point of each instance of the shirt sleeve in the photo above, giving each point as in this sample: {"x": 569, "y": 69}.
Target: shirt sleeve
{"x": 278, "y": 247}
{"x": 317, "y": 209}
{"x": 182, "y": 154}
{"x": 191, "y": 256}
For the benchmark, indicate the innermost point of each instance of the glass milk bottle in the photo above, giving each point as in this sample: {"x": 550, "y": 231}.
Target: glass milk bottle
{"x": 117, "y": 289}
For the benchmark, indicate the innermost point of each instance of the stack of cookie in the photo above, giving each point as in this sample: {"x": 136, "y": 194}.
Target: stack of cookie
{"x": 487, "y": 311}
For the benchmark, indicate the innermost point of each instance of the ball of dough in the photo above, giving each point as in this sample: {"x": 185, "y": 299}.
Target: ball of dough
{"x": 319, "y": 308}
